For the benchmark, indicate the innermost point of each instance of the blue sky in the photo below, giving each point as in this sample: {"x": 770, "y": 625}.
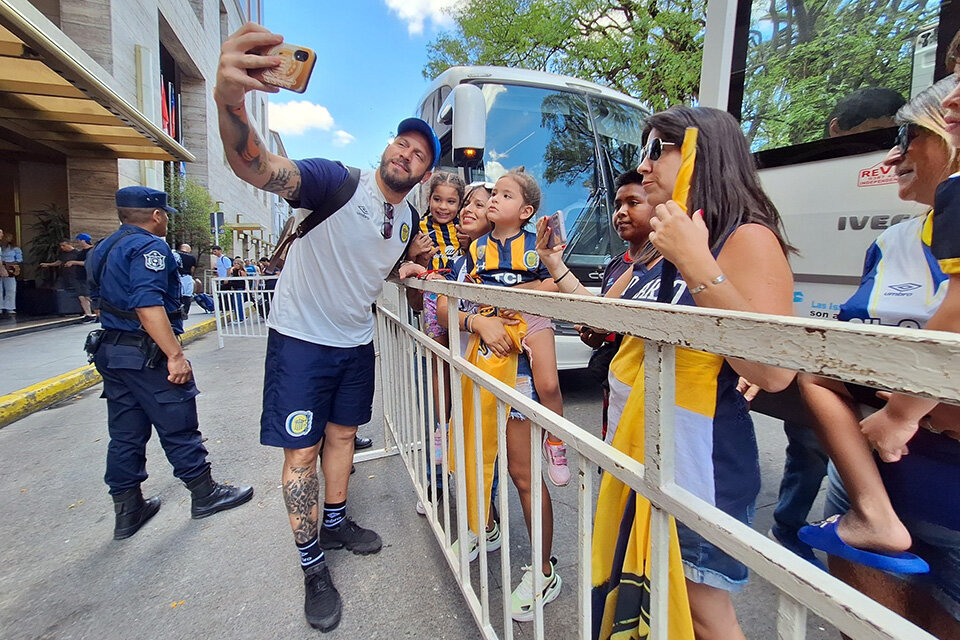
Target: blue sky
{"x": 367, "y": 77}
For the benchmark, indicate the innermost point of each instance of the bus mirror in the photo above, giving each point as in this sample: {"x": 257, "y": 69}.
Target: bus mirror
{"x": 466, "y": 110}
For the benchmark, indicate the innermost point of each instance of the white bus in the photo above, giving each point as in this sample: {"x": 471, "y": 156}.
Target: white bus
{"x": 833, "y": 193}
{"x": 573, "y": 136}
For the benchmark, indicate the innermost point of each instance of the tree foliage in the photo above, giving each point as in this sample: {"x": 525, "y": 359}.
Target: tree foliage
{"x": 805, "y": 55}
{"x": 191, "y": 223}
{"x": 650, "y": 50}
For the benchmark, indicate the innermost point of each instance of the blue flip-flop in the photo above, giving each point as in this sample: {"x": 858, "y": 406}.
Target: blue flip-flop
{"x": 823, "y": 535}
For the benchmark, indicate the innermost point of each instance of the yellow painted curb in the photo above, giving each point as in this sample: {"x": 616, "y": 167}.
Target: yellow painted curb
{"x": 18, "y": 404}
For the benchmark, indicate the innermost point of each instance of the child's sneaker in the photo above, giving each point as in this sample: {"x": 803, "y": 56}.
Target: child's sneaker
{"x": 437, "y": 448}
{"x": 494, "y": 539}
{"x": 521, "y": 601}
{"x": 556, "y": 456}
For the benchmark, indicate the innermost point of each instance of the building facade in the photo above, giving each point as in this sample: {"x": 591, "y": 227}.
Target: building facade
{"x": 124, "y": 97}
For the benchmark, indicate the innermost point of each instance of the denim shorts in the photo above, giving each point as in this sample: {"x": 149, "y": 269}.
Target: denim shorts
{"x": 938, "y": 545}
{"x": 524, "y": 384}
{"x": 706, "y": 564}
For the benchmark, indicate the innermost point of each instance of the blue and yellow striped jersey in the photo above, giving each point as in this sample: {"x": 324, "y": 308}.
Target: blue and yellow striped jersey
{"x": 445, "y": 237}
{"x": 511, "y": 262}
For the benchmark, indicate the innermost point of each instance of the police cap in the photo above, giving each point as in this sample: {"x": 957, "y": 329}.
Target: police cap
{"x": 143, "y": 198}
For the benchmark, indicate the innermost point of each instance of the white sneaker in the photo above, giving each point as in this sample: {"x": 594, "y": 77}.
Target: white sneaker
{"x": 521, "y": 600}
{"x": 556, "y": 456}
{"x": 494, "y": 540}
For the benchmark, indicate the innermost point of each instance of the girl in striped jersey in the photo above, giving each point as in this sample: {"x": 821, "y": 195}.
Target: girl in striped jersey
{"x": 444, "y": 198}
{"x": 507, "y": 257}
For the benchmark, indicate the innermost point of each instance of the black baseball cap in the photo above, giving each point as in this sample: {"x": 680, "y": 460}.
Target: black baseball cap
{"x": 143, "y": 198}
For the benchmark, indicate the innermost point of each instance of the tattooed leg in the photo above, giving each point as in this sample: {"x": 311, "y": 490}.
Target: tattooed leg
{"x": 301, "y": 492}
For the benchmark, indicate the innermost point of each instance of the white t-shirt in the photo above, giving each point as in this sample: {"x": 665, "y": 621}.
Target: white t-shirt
{"x": 334, "y": 274}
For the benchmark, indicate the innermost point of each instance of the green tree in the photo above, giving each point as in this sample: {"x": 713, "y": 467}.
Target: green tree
{"x": 650, "y": 50}
{"x": 191, "y": 223}
{"x": 805, "y": 55}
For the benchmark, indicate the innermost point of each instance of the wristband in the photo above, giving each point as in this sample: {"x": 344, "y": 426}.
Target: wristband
{"x": 557, "y": 281}
{"x": 718, "y": 280}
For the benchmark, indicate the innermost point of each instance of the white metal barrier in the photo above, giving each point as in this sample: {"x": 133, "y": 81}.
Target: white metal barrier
{"x": 241, "y": 306}
{"x": 917, "y": 362}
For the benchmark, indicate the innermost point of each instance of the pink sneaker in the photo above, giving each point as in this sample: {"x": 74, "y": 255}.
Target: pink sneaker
{"x": 437, "y": 447}
{"x": 556, "y": 456}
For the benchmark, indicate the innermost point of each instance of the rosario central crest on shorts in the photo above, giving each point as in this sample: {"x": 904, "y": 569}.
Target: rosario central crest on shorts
{"x": 155, "y": 261}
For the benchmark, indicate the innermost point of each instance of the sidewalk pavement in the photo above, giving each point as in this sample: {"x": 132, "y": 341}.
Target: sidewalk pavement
{"x": 235, "y": 574}
{"x": 34, "y": 357}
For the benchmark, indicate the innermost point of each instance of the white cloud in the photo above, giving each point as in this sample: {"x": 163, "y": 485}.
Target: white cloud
{"x": 341, "y": 138}
{"x": 298, "y": 116}
{"x": 416, "y": 12}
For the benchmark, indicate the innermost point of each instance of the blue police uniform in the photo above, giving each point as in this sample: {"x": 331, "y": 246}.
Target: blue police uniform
{"x": 141, "y": 271}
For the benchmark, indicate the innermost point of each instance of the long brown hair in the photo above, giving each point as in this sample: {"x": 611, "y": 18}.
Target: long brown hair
{"x": 725, "y": 181}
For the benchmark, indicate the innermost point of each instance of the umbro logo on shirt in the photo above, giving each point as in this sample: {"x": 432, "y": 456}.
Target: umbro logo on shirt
{"x": 362, "y": 212}
{"x": 903, "y": 288}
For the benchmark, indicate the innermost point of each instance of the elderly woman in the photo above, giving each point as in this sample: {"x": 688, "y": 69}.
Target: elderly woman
{"x": 889, "y": 507}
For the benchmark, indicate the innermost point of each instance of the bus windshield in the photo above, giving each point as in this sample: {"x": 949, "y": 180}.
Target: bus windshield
{"x": 574, "y": 145}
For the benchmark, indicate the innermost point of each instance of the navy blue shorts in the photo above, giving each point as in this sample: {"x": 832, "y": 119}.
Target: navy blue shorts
{"x": 306, "y": 385}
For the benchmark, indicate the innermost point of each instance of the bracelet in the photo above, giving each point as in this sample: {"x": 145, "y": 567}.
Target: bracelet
{"x": 557, "y": 281}
{"x": 466, "y": 322}
{"x": 719, "y": 279}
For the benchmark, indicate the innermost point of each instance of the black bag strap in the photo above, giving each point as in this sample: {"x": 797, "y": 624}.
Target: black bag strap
{"x": 105, "y": 304}
{"x": 333, "y": 204}
{"x": 106, "y": 254}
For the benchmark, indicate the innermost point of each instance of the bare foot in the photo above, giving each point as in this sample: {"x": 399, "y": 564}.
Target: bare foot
{"x": 886, "y": 535}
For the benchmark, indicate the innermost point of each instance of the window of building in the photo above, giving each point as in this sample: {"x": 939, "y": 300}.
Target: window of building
{"x": 170, "y": 99}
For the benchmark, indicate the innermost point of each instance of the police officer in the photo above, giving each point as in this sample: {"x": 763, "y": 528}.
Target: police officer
{"x": 146, "y": 378}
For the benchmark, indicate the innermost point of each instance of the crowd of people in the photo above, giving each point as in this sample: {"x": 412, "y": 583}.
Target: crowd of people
{"x": 722, "y": 248}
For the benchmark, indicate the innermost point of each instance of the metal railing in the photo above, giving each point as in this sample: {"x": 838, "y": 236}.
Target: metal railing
{"x": 918, "y": 362}
{"x": 241, "y": 306}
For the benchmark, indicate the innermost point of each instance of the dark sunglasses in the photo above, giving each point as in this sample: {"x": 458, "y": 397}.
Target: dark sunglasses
{"x": 386, "y": 229}
{"x": 906, "y": 134}
{"x": 653, "y": 150}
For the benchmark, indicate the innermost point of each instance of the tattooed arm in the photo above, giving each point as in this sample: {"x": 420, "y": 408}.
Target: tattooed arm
{"x": 236, "y": 75}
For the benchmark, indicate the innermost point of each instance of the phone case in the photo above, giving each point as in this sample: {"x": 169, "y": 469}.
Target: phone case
{"x": 558, "y": 230}
{"x": 292, "y": 74}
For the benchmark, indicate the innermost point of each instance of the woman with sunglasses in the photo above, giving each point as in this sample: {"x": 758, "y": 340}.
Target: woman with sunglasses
{"x": 879, "y": 508}
{"x": 730, "y": 254}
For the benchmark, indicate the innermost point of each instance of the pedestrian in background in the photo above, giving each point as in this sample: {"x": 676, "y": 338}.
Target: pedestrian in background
{"x": 188, "y": 262}
{"x": 11, "y": 260}
{"x": 147, "y": 380}
{"x": 223, "y": 263}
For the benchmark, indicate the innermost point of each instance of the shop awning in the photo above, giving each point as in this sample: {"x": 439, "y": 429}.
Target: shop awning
{"x": 55, "y": 101}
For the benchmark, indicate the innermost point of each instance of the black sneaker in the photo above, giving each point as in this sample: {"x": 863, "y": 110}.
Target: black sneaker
{"x": 321, "y": 600}
{"x": 351, "y": 536}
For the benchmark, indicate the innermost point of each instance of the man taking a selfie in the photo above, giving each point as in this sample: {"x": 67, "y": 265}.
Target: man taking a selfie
{"x": 319, "y": 369}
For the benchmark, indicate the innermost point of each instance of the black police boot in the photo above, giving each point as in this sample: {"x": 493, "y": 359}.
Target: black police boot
{"x": 321, "y": 601}
{"x": 132, "y": 512}
{"x": 361, "y": 443}
{"x": 210, "y": 497}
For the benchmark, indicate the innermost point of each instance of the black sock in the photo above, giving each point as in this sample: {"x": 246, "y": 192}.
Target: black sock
{"x": 310, "y": 554}
{"x": 333, "y": 514}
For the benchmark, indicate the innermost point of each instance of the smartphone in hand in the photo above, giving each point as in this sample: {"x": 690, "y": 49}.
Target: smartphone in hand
{"x": 557, "y": 229}
{"x": 294, "y": 70}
